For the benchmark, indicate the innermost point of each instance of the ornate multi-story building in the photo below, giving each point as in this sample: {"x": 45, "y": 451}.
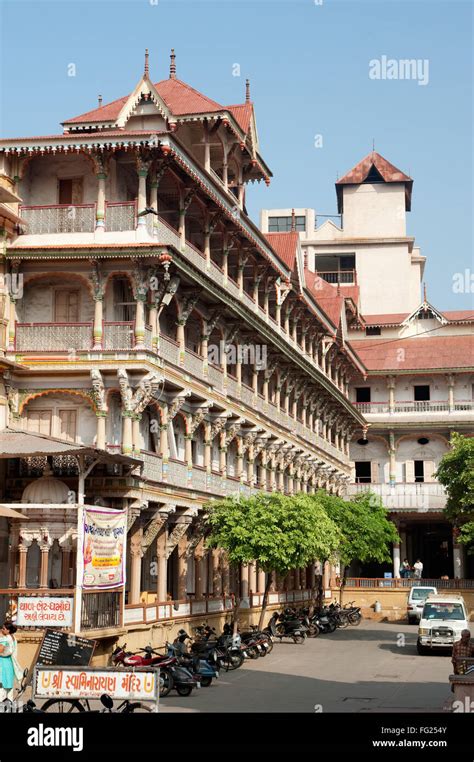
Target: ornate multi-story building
{"x": 146, "y": 315}
{"x": 417, "y": 384}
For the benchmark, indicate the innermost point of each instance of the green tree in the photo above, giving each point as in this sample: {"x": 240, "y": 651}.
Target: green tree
{"x": 456, "y": 474}
{"x": 281, "y": 533}
{"x": 366, "y": 532}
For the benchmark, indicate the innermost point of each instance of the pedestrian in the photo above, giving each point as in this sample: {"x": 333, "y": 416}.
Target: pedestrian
{"x": 418, "y": 567}
{"x": 405, "y": 568}
{"x": 462, "y": 648}
{"x": 9, "y": 667}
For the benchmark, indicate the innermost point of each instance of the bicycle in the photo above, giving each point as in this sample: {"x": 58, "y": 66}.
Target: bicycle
{"x": 68, "y": 706}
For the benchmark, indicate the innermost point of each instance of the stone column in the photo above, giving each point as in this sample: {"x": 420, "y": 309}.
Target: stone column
{"x": 22, "y": 558}
{"x": 140, "y": 321}
{"x": 164, "y": 446}
{"x": 98, "y": 322}
{"x": 100, "y": 208}
{"x": 207, "y": 447}
{"x": 451, "y": 392}
{"x": 225, "y": 574}
{"x": 393, "y": 462}
{"x": 199, "y": 576}
{"x": 458, "y": 556}
{"x": 162, "y": 582}
{"x": 127, "y": 441}
{"x": 391, "y": 394}
{"x": 252, "y": 577}
{"x": 263, "y": 470}
{"x": 182, "y": 567}
{"x": 396, "y": 560}
{"x": 136, "y": 432}
{"x": 244, "y": 580}
{"x": 216, "y": 573}
{"x": 142, "y": 175}
{"x": 12, "y": 325}
{"x": 65, "y": 564}
{"x": 261, "y": 580}
{"x": 136, "y": 555}
{"x": 100, "y": 436}
{"x": 250, "y": 462}
{"x": 44, "y": 547}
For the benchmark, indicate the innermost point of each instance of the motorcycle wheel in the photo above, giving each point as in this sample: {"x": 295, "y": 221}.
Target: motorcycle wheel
{"x": 166, "y": 683}
{"x": 269, "y": 647}
{"x": 313, "y": 631}
{"x": 355, "y": 619}
{"x": 252, "y": 652}
{"x": 343, "y": 622}
{"x": 184, "y": 690}
{"x": 299, "y": 638}
{"x": 331, "y": 627}
{"x": 205, "y": 681}
{"x": 230, "y": 662}
{"x": 62, "y": 706}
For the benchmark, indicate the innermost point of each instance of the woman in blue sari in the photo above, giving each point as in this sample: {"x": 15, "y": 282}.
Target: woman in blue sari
{"x": 9, "y": 667}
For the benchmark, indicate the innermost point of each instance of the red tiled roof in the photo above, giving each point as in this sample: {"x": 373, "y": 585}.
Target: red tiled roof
{"x": 395, "y": 318}
{"x": 388, "y": 172}
{"x": 427, "y": 353}
{"x": 325, "y": 296}
{"x": 179, "y": 97}
{"x": 285, "y": 245}
{"x": 458, "y": 315}
{"x": 351, "y": 292}
{"x": 242, "y": 114}
{"x": 184, "y": 99}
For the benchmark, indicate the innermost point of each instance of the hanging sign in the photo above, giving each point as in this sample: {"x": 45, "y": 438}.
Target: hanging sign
{"x": 44, "y": 611}
{"x": 104, "y": 533}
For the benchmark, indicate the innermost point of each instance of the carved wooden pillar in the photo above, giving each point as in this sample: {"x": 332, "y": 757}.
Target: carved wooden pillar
{"x": 136, "y": 555}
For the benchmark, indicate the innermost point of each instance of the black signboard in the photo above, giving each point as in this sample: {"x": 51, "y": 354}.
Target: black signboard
{"x": 63, "y": 649}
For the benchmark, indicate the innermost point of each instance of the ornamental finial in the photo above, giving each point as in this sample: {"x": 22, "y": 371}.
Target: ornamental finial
{"x": 172, "y": 65}
{"x": 247, "y": 91}
{"x": 424, "y": 293}
{"x": 100, "y": 101}
{"x": 146, "y": 71}
{"x": 293, "y": 220}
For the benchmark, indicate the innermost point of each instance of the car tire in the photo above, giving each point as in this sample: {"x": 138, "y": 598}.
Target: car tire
{"x": 422, "y": 650}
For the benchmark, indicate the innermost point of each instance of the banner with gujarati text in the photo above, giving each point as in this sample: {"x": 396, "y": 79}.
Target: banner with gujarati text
{"x": 104, "y": 542}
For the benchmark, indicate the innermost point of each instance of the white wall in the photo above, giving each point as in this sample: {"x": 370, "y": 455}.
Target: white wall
{"x": 374, "y": 210}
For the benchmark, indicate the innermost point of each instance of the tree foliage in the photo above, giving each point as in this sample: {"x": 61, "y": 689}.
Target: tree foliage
{"x": 456, "y": 474}
{"x": 280, "y": 532}
{"x": 366, "y": 532}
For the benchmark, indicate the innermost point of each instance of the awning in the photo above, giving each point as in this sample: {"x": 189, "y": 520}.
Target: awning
{"x": 15, "y": 443}
{"x": 9, "y": 513}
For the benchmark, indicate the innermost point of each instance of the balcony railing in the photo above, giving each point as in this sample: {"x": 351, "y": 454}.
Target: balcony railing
{"x": 59, "y": 218}
{"x": 342, "y": 277}
{"x": 47, "y": 337}
{"x": 118, "y": 335}
{"x": 120, "y": 215}
{"x": 414, "y": 406}
{"x": 419, "y": 496}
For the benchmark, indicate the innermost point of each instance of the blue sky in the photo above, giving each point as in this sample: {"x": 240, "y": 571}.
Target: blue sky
{"x": 309, "y": 69}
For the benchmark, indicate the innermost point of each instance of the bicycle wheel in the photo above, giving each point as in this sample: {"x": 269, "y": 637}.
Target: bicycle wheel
{"x": 63, "y": 706}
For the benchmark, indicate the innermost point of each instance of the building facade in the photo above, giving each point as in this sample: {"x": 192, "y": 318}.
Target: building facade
{"x": 146, "y": 315}
{"x": 417, "y": 386}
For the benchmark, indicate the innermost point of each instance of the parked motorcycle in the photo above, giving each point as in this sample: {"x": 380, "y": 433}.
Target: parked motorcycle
{"x": 172, "y": 676}
{"x": 203, "y": 666}
{"x": 287, "y": 628}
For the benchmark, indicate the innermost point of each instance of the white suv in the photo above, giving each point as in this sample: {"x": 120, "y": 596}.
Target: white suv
{"x": 443, "y": 619}
{"x": 416, "y": 600}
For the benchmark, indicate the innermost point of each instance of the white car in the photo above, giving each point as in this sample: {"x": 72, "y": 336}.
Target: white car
{"x": 443, "y": 619}
{"x": 416, "y": 600}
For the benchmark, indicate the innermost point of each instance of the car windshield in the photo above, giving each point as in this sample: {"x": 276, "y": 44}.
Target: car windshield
{"x": 419, "y": 594}
{"x": 445, "y": 611}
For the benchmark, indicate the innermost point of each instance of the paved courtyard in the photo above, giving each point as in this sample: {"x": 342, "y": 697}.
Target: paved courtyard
{"x": 373, "y": 667}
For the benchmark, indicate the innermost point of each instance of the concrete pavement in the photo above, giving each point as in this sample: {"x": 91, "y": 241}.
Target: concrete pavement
{"x": 373, "y": 667}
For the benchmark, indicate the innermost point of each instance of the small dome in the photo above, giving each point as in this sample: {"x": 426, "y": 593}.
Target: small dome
{"x": 46, "y": 489}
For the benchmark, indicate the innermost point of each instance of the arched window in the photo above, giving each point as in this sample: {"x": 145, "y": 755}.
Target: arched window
{"x": 198, "y": 446}
{"x": 33, "y": 565}
{"x": 179, "y": 431}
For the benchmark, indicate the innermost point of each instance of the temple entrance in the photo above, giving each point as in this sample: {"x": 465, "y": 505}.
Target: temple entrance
{"x": 432, "y": 544}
